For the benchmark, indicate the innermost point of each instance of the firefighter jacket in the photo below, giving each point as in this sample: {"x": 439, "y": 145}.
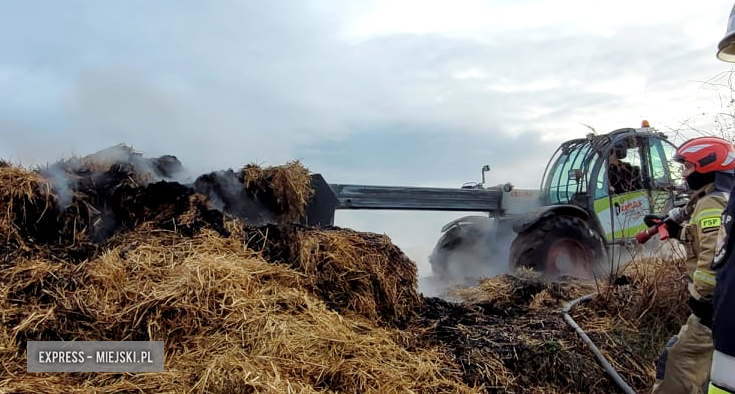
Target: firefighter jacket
{"x": 723, "y": 324}
{"x": 700, "y": 237}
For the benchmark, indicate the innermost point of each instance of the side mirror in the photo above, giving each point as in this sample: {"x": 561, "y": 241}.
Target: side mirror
{"x": 485, "y": 169}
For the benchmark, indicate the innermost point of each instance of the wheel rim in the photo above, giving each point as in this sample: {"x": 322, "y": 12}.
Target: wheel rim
{"x": 569, "y": 257}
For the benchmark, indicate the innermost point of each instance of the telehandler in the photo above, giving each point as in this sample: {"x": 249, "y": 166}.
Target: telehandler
{"x": 593, "y": 196}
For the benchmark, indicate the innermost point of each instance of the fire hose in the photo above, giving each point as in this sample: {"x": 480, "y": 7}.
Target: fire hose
{"x": 586, "y": 339}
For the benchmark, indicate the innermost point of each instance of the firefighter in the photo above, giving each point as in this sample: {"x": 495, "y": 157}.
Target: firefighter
{"x": 707, "y": 167}
{"x": 722, "y": 374}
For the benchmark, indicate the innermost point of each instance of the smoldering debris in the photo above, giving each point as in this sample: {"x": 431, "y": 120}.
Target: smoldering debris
{"x": 226, "y": 192}
{"x": 87, "y": 199}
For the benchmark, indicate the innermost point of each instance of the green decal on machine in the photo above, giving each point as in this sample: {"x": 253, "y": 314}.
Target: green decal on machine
{"x": 622, "y": 215}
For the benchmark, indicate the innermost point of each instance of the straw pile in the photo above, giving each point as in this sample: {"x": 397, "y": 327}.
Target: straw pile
{"x": 246, "y": 300}
{"x": 231, "y": 322}
{"x": 355, "y": 272}
{"x": 168, "y": 268}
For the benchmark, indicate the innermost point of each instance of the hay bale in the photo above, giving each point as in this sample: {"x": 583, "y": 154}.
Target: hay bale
{"x": 360, "y": 272}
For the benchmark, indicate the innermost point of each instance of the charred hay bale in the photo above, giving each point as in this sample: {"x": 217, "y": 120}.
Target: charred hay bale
{"x": 169, "y": 205}
{"x": 45, "y": 208}
{"x": 85, "y": 205}
{"x": 85, "y": 200}
{"x": 144, "y": 170}
{"x": 231, "y": 322}
{"x": 122, "y": 197}
{"x": 285, "y": 188}
{"x": 353, "y": 272}
{"x": 102, "y": 171}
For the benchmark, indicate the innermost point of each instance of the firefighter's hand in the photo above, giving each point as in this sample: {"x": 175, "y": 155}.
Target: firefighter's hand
{"x": 678, "y": 215}
{"x": 674, "y": 229}
{"x": 702, "y": 308}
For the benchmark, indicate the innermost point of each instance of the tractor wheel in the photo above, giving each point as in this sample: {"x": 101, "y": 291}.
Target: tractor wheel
{"x": 461, "y": 252}
{"x": 560, "y": 246}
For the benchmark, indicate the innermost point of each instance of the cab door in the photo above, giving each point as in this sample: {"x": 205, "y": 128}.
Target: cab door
{"x": 621, "y": 213}
{"x": 665, "y": 176}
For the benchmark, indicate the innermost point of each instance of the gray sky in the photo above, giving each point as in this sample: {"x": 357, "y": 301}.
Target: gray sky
{"x": 380, "y": 92}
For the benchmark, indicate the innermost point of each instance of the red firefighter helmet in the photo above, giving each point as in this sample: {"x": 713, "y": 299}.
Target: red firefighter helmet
{"x": 708, "y": 154}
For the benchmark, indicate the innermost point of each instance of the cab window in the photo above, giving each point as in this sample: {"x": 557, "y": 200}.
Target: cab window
{"x": 664, "y": 171}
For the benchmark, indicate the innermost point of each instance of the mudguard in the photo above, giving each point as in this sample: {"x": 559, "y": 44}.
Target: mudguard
{"x": 471, "y": 219}
{"x": 525, "y": 222}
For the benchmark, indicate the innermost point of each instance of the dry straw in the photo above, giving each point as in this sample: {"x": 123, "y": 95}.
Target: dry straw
{"x": 632, "y": 321}
{"x": 231, "y": 322}
{"x": 287, "y": 187}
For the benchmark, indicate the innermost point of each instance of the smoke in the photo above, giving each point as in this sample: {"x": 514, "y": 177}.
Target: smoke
{"x": 64, "y": 174}
{"x": 118, "y": 187}
{"x": 482, "y": 253}
{"x": 417, "y": 233}
{"x": 60, "y": 183}
{"x": 227, "y": 193}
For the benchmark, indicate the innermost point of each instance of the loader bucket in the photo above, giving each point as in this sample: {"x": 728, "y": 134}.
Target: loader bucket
{"x": 280, "y": 195}
{"x": 323, "y": 203}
